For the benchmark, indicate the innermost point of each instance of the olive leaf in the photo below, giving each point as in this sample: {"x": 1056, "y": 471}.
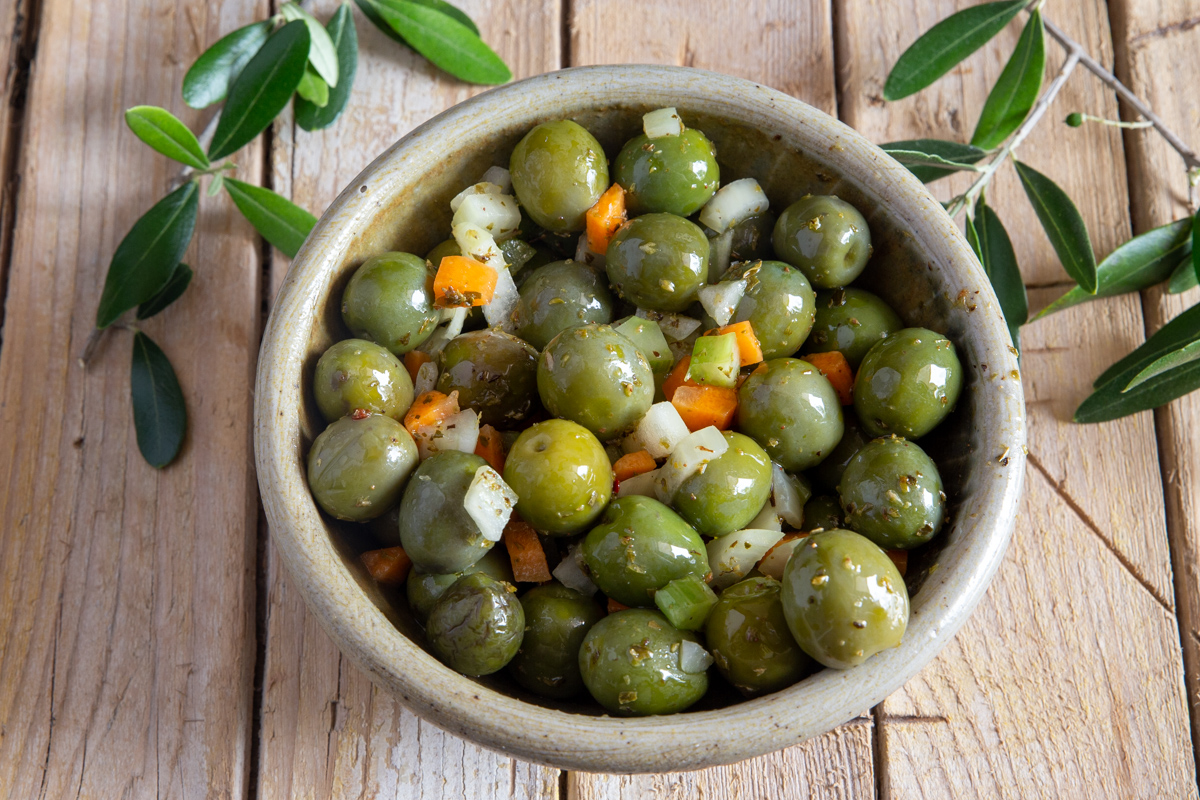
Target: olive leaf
{"x": 159, "y": 413}
{"x": 209, "y": 78}
{"x": 171, "y": 291}
{"x": 322, "y": 53}
{"x": 262, "y": 89}
{"x": 932, "y": 151}
{"x": 160, "y": 129}
{"x": 447, "y": 43}
{"x": 214, "y": 186}
{"x": 1111, "y": 400}
{"x": 1063, "y": 224}
{"x": 313, "y": 89}
{"x": 1184, "y": 276}
{"x": 146, "y": 257}
{"x": 368, "y": 9}
{"x": 1138, "y": 264}
{"x": 1196, "y": 245}
{"x": 995, "y": 251}
{"x": 1171, "y": 361}
{"x": 1016, "y": 89}
{"x": 281, "y": 222}
{"x": 944, "y": 45}
{"x": 311, "y": 117}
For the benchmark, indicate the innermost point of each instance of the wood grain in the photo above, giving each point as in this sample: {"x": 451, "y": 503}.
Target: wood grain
{"x": 1157, "y": 57}
{"x": 126, "y": 594}
{"x": 18, "y": 34}
{"x": 326, "y": 730}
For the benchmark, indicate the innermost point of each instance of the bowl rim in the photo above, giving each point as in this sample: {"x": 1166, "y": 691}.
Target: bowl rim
{"x": 601, "y": 743}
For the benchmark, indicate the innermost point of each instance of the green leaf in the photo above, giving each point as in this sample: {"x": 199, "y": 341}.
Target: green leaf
{"x": 209, "y": 78}
{"x": 1184, "y": 276}
{"x": 214, "y": 186}
{"x": 311, "y": 117}
{"x": 946, "y": 44}
{"x": 147, "y": 256}
{"x": 262, "y": 89}
{"x": 1110, "y": 401}
{"x": 322, "y": 54}
{"x": 449, "y": 10}
{"x": 160, "y": 129}
{"x": 1196, "y": 245}
{"x": 1180, "y": 358}
{"x": 447, "y": 43}
{"x": 1063, "y": 224}
{"x": 931, "y": 151}
{"x": 313, "y": 89}
{"x": 281, "y": 222}
{"x": 169, "y": 293}
{"x": 1000, "y": 263}
{"x": 1138, "y": 264}
{"x": 1017, "y": 88}
{"x": 159, "y": 413}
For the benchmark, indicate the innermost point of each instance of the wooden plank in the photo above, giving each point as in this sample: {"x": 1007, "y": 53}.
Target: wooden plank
{"x": 18, "y": 35}
{"x": 326, "y": 731}
{"x": 1157, "y": 57}
{"x": 126, "y": 594}
{"x": 786, "y": 45}
{"x": 988, "y": 720}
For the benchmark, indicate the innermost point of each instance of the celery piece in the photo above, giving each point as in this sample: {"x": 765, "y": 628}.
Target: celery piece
{"x": 685, "y": 602}
{"x": 648, "y": 337}
{"x": 715, "y": 360}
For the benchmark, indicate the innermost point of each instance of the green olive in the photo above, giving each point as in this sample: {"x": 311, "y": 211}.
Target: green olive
{"x": 561, "y": 475}
{"x": 357, "y": 375}
{"x": 751, "y": 644}
{"x": 658, "y": 261}
{"x": 389, "y": 301}
{"x": 751, "y": 239}
{"x": 729, "y": 492}
{"x": 823, "y": 511}
{"x": 558, "y": 172}
{"x": 892, "y": 494}
{"x": 828, "y": 474}
{"x": 435, "y": 529}
{"x": 558, "y": 296}
{"x": 824, "y": 236}
{"x": 779, "y": 304}
{"x": 358, "y": 466}
{"x": 556, "y": 621}
{"x": 907, "y": 383}
{"x": 494, "y": 373}
{"x": 424, "y": 588}
{"x": 792, "y": 410}
{"x": 850, "y": 321}
{"x": 674, "y": 174}
{"x": 476, "y": 626}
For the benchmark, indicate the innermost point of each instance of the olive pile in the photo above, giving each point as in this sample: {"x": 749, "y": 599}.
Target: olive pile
{"x": 685, "y": 412}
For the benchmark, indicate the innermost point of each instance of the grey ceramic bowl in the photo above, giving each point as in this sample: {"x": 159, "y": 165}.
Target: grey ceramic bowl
{"x": 922, "y": 265}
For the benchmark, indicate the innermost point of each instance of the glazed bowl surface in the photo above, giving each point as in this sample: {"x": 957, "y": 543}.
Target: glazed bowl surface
{"x": 922, "y": 266}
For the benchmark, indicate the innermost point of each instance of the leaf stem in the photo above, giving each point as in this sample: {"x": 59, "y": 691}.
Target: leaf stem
{"x": 205, "y": 139}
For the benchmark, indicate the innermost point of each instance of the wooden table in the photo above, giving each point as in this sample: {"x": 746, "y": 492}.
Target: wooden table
{"x": 150, "y": 643}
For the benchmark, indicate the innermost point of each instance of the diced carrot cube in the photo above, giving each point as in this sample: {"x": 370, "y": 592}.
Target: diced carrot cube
{"x": 701, "y": 406}
{"x": 490, "y": 447}
{"x": 430, "y": 408}
{"x": 632, "y": 464}
{"x": 604, "y": 218}
{"x": 615, "y": 605}
{"x": 900, "y": 559}
{"x": 677, "y": 377}
{"x": 525, "y": 552}
{"x": 389, "y": 566}
{"x": 413, "y": 360}
{"x": 462, "y": 281}
{"x": 834, "y": 366}
{"x": 748, "y": 346}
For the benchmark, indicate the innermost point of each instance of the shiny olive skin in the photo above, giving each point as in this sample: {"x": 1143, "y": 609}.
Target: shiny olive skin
{"x": 476, "y": 626}
{"x": 828, "y": 474}
{"x": 389, "y": 300}
{"x": 729, "y": 492}
{"x": 494, "y": 373}
{"x": 558, "y": 172}
{"x": 826, "y": 237}
{"x": 596, "y": 377}
{"x": 658, "y": 261}
{"x": 790, "y": 409}
{"x": 672, "y": 174}
{"x": 892, "y": 494}
{"x": 752, "y": 239}
{"x": 424, "y": 588}
{"x": 843, "y": 598}
{"x": 630, "y": 665}
{"x": 435, "y": 530}
{"x": 907, "y": 383}
{"x": 357, "y": 468}
{"x": 561, "y": 475}
{"x": 556, "y": 621}
{"x": 823, "y": 511}
{"x": 779, "y": 303}
{"x": 559, "y": 296}
{"x": 639, "y": 547}
{"x": 750, "y": 641}
{"x": 355, "y": 374}
{"x": 850, "y": 321}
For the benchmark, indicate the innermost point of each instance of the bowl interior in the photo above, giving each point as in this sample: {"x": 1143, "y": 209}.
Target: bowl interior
{"x": 920, "y": 265}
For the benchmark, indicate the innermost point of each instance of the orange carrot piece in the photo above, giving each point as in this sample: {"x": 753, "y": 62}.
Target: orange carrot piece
{"x": 430, "y": 408}
{"x": 748, "y": 346}
{"x": 701, "y": 406}
{"x": 413, "y": 360}
{"x": 604, "y": 218}
{"x": 632, "y": 464}
{"x": 615, "y": 605}
{"x": 525, "y": 552}
{"x": 490, "y": 447}
{"x": 677, "y": 377}
{"x": 834, "y": 366}
{"x": 462, "y": 281}
{"x": 389, "y": 566}
{"x": 900, "y": 559}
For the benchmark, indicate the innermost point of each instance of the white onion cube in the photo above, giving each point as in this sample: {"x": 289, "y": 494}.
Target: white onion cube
{"x": 639, "y": 484}
{"x": 662, "y": 122}
{"x": 456, "y": 432}
{"x": 457, "y": 319}
{"x": 571, "y": 572}
{"x": 427, "y": 378}
{"x": 483, "y": 187}
{"x": 660, "y": 431}
{"x": 734, "y": 203}
{"x": 497, "y": 214}
{"x": 689, "y": 456}
{"x": 720, "y": 251}
{"x": 776, "y": 559}
{"x": 479, "y": 244}
{"x": 584, "y": 254}
{"x": 673, "y": 326}
{"x": 767, "y": 519}
{"x": 732, "y": 556}
{"x": 489, "y": 501}
{"x": 499, "y": 176}
{"x": 501, "y": 311}
{"x": 436, "y": 342}
{"x": 721, "y": 300}
{"x": 788, "y": 496}
{"x": 693, "y": 659}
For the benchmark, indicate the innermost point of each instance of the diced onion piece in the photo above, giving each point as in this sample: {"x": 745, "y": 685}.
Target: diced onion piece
{"x": 689, "y": 456}
{"x": 457, "y": 320}
{"x": 693, "y": 659}
{"x": 788, "y": 496}
{"x": 489, "y": 501}
{"x": 497, "y": 214}
{"x": 675, "y": 327}
{"x": 643, "y": 484}
{"x": 662, "y": 122}
{"x": 483, "y": 187}
{"x": 456, "y": 432}
{"x": 427, "y": 378}
{"x": 614, "y": 451}
{"x": 436, "y": 342}
{"x": 721, "y": 300}
{"x": 477, "y": 243}
{"x": 660, "y": 431}
{"x": 734, "y": 203}
{"x": 502, "y": 310}
{"x": 587, "y": 256}
{"x": 720, "y": 250}
{"x": 776, "y": 559}
{"x": 732, "y": 556}
{"x": 767, "y": 519}
{"x": 500, "y": 176}
{"x": 570, "y": 572}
